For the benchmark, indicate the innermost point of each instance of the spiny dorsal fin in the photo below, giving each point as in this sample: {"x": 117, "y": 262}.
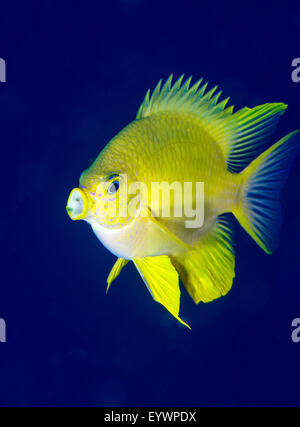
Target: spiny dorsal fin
{"x": 182, "y": 97}
{"x": 241, "y": 136}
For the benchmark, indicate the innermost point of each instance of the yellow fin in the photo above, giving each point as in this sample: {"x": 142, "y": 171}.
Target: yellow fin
{"x": 162, "y": 281}
{"x": 207, "y": 270}
{"x": 259, "y": 208}
{"x": 115, "y": 271}
{"x": 241, "y": 136}
{"x": 248, "y": 132}
{"x": 182, "y": 97}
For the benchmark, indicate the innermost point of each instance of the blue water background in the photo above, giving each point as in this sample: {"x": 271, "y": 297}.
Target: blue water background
{"x": 76, "y": 74}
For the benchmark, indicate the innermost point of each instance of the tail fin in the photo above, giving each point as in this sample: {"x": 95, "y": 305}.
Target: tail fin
{"x": 259, "y": 209}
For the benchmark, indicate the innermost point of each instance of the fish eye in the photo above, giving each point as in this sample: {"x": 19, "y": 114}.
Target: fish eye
{"x": 113, "y": 187}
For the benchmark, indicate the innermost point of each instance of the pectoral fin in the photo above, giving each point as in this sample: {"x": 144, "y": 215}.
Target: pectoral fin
{"x": 207, "y": 270}
{"x": 115, "y": 271}
{"x": 162, "y": 281}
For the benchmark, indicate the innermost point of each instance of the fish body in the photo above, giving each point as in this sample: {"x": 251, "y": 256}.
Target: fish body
{"x": 183, "y": 136}
{"x": 177, "y": 150}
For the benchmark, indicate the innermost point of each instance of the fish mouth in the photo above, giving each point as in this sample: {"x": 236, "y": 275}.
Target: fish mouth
{"x": 78, "y": 204}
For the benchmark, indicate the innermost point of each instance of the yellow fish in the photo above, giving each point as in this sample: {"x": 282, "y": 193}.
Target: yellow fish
{"x": 183, "y": 134}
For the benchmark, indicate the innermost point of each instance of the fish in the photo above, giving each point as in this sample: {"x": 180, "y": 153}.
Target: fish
{"x": 184, "y": 134}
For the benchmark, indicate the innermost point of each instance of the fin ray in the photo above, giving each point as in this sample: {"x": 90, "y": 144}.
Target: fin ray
{"x": 207, "y": 270}
{"x": 161, "y": 279}
{"x": 115, "y": 271}
{"x": 241, "y": 135}
{"x": 259, "y": 209}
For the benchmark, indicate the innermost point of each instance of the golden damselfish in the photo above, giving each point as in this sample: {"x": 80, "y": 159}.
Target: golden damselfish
{"x": 183, "y": 134}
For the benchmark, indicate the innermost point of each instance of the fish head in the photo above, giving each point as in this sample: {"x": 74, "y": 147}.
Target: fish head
{"x": 113, "y": 213}
{"x": 102, "y": 199}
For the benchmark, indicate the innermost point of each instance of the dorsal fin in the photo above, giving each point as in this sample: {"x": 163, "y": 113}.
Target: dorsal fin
{"x": 182, "y": 97}
{"x": 241, "y": 135}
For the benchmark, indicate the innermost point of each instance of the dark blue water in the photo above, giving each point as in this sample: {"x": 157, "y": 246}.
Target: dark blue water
{"x": 76, "y": 74}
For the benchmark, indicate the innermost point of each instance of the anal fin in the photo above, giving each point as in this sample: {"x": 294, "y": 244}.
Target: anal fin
{"x": 207, "y": 270}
